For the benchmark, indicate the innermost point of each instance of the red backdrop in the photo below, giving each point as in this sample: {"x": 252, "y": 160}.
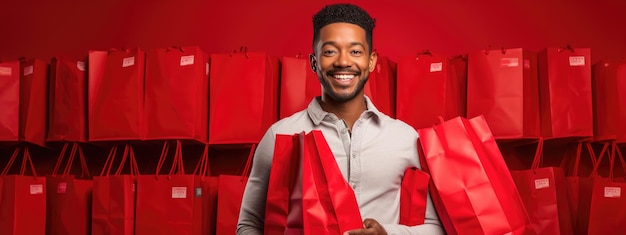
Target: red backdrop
{"x": 41, "y": 28}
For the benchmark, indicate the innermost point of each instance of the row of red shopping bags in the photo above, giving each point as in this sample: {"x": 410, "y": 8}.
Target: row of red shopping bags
{"x": 120, "y": 200}
{"x": 183, "y": 93}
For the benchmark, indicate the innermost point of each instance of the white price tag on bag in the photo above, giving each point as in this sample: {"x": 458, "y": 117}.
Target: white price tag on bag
{"x": 179, "y": 192}
{"x": 436, "y": 67}
{"x": 207, "y": 69}
{"x": 576, "y": 61}
{"x": 128, "y": 61}
{"x": 186, "y": 60}
{"x": 509, "y": 62}
{"x": 542, "y": 183}
{"x": 613, "y": 192}
{"x": 5, "y": 71}
{"x": 62, "y": 187}
{"x": 36, "y": 189}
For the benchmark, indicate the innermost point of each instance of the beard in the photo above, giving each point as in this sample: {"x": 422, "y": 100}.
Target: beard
{"x": 344, "y": 97}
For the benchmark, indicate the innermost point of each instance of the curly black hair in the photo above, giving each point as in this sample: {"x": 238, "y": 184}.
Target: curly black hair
{"x": 346, "y": 13}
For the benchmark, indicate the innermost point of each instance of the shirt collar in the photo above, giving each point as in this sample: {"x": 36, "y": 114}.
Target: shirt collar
{"x": 317, "y": 114}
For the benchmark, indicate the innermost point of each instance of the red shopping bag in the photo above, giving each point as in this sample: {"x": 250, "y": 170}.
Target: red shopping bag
{"x": 543, "y": 191}
{"x": 609, "y": 100}
{"x": 165, "y": 203}
{"x": 430, "y": 86}
{"x": 413, "y": 194}
{"x": 207, "y": 187}
{"x": 565, "y": 92}
{"x": 23, "y": 207}
{"x": 69, "y": 201}
{"x": 67, "y": 100}
{"x": 381, "y": 86}
{"x": 243, "y": 96}
{"x": 23, "y": 98}
{"x": 481, "y": 198}
{"x": 601, "y": 209}
{"x": 229, "y": 196}
{"x": 298, "y": 85}
{"x": 328, "y": 202}
{"x": 113, "y": 204}
{"x": 116, "y": 94}
{"x": 502, "y": 85}
{"x": 177, "y": 94}
{"x": 572, "y": 181}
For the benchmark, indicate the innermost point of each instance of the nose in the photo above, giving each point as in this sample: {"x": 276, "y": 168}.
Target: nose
{"x": 343, "y": 60}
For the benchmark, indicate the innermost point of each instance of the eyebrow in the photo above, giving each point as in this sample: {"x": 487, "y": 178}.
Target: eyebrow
{"x": 332, "y": 43}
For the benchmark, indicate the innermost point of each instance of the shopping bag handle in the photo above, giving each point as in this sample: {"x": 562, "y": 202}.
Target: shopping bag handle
{"x": 538, "y": 156}
{"x": 6, "y": 169}
{"x": 68, "y": 165}
{"x": 203, "y": 167}
{"x": 567, "y": 47}
{"x": 129, "y": 154}
{"x": 109, "y": 162}
{"x": 248, "y": 167}
{"x": 592, "y": 155}
{"x": 178, "y": 161}
{"x": 594, "y": 172}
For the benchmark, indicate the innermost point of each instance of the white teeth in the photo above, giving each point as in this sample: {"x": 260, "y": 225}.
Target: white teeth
{"x": 344, "y": 77}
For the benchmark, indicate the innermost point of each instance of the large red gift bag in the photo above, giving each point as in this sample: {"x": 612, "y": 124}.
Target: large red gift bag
{"x": 430, "y": 86}
{"x": 177, "y": 94}
{"x": 113, "y": 203}
{"x": 24, "y": 101}
{"x": 230, "y": 191}
{"x": 502, "y": 86}
{"x": 609, "y": 100}
{"x": 472, "y": 189}
{"x": 298, "y": 85}
{"x": 243, "y": 96}
{"x": 23, "y": 206}
{"x": 307, "y": 193}
{"x": 381, "y": 85}
{"x": 69, "y": 200}
{"x": 544, "y": 192}
{"x": 565, "y": 92}
{"x": 116, "y": 94}
{"x": 166, "y": 204}
{"x": 67, "y": 100}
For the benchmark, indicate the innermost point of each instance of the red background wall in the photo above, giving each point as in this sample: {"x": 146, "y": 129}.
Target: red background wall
{"x": 43, "y": 29}
{"x": 39, "y": 28}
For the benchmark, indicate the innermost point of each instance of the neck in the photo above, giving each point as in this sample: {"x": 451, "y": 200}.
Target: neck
{"x": 348, "y": 111}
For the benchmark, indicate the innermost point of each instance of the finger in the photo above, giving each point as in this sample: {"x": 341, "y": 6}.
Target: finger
{"x": 369, "y": 223}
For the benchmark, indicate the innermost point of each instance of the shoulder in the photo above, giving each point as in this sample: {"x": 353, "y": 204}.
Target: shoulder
{"x": 397, "y": 126}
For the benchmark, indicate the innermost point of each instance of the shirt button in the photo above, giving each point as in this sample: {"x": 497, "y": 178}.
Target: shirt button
{"x": 354, "y": 186}
{"x": 353, "y": 155}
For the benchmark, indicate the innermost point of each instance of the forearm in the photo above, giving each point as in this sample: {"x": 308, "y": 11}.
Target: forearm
{"x": 422, "y": 229}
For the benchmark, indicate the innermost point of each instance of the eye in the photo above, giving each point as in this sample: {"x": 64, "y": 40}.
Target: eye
{"x": 356, "y": 52}
{"x": 328, "y": 52}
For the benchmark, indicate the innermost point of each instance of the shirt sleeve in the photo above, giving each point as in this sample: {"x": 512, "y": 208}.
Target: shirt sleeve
{"x": 252, "y": 213}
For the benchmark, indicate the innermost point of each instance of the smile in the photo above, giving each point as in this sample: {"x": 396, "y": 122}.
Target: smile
{"x": 344, "y": 77}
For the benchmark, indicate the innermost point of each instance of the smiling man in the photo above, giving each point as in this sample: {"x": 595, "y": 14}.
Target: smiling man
{"x": 372, "y": 150}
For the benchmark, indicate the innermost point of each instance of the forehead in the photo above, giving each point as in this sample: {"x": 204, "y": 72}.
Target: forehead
{"x": 342, "y": 32}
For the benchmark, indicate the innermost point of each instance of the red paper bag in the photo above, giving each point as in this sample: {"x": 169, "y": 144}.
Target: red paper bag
{"x": 609, "y": 100}
{"x": 298, "y": 85}
{"x": 502, "y": 85}
{"x": 565, "y": 92}
{"x": 116, "y": 94}
{"x": 69, "y": 201}
{"x": 165, "y": 203}
{"x": 229, "y": 196}
{"x": 602, "y": 202}
{"x": 23, "y": 207}
{"x": 413, "y": 194}
{"x": 243, "y": 96}
{"x": 329, "y": 205}
{"x": 481, "y": 198}
{"x": 113, "y": 207}
{"x": 573, "y": 183}
{"x": 431, "y": 86}
{"x": 177, "y": 94}
{"x": 24, "y": 90}
{"x": 381, "y": 86}
{"x": 543, "y": 191}
{"x": 10, "y": 101}
{"x": 68, "y": 100}
{"x": 207, "y": 188}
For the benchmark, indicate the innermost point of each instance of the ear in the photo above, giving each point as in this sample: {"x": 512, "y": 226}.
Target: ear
{"x": 313, "y": 62}
{"x": 373, "y": 59}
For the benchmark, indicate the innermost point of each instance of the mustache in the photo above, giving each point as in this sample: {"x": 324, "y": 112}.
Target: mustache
{"x": 331, "y": 72}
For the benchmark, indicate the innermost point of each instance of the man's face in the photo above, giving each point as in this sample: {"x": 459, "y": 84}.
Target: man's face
{"x": 342, "y": 61}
